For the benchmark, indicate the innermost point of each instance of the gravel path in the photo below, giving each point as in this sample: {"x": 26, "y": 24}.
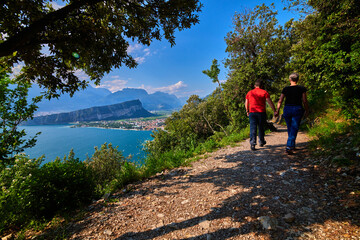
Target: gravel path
{"x": 234, "y": 193}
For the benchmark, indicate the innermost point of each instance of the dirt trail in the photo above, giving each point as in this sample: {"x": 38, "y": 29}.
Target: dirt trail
{"x": 230, "y": 195}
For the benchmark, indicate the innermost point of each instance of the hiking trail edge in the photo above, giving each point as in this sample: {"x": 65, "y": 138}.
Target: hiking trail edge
{"x": 235, "y": 193}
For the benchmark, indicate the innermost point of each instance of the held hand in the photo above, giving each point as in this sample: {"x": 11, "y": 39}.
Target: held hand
{"x": 247, "y": 113}
{"x": 276, "y": 114}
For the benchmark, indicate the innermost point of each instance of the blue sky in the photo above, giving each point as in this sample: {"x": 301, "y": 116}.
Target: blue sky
{"x": 178, "y": 69}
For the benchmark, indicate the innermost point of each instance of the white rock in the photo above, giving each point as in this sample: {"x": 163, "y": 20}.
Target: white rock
{"x": 107, "y": 232}
{"x": 204, "y": 224}
{"x": 268, "y": 223}
{"x": 185, "y": 201}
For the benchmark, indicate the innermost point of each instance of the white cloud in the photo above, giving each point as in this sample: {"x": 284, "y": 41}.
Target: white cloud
{"x": 134, "y": 48}
{"x": 57, "y": 6}
{"x": 16, "y": 70}
{"x": 113, "y": 85}
{"x": 147, "y": 51}
{"x": 140, "y": 60}
{"x": 172, "y": 89}
{"x": 81, "y": 74}
{"x": 139, "y": 52}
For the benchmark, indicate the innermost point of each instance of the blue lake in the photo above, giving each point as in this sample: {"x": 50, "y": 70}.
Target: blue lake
{"x": 58, "y": 140}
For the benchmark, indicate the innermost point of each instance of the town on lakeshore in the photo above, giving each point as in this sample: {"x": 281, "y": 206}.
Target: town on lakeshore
{"x": 146, "y": 124}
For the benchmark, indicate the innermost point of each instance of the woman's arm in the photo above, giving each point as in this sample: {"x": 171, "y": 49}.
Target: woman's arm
{"x": 306, "y": 105}
{"x": 282, "y": 96}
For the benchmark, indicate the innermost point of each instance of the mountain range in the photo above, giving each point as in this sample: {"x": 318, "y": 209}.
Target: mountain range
{"x": 91, "y": 97}
{"x": 129, "y": 109}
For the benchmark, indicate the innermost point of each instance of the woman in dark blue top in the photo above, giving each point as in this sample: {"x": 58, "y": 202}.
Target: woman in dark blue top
{"x": 295, "y": 102}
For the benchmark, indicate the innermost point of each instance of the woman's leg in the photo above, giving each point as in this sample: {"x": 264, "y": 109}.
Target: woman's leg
{"x": 295, "y": 125}
{"x": 288, "y": 119}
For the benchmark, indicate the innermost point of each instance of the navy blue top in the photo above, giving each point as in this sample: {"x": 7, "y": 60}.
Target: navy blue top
{"x": 293, "y": 95}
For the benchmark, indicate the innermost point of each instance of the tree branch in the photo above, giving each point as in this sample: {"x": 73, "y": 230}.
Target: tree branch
{"x": 25, "y": 36}
{"x": 222, "y": 129}
{"x": 208, "y": 122}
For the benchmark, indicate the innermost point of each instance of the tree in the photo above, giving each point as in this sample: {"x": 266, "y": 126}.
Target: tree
{"x": 92, "y": 35}
{"x": 14, "y": 109}
{"x": 328, "y": 53}
{"x": 258, "y": 48}
{"x": 213, "y": 72}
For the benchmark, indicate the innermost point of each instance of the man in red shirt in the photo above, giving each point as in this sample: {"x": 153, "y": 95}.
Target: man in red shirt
{"x": 255, "y": 104}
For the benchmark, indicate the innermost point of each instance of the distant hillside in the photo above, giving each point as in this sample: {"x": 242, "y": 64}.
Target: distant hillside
{"x": 155, "y": 101}
{"x": 81, "y": 100}
{"x": 91, "y": 97}
{"x": 129, "y": 109}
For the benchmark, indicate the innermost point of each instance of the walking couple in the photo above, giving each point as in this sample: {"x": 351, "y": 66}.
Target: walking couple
{"x": 296, "y": 106}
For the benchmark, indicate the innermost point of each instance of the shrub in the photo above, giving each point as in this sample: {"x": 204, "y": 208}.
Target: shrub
{"x": 107, "y": 164}
{"x": 236, "y": 136}
{"x": 34, "y": 192}
{"x": 171, "y": 159}
{"x": 336, "y": 138}
{"x": 129, "y": 173}
{"x": 62, "y": 185}
{"x": 16, "y": 197}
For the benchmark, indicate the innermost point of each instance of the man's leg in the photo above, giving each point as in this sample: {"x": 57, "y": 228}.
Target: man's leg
{"x": 262, "y": 121}
{"x": 253, "y": 128}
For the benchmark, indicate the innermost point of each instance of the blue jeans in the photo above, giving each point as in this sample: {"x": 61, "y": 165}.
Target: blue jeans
{"x": 292, "y": 116}
{"x": 257, "y": 120}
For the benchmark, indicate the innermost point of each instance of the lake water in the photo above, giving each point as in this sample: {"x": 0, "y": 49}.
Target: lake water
{"x": 58, "y": 140}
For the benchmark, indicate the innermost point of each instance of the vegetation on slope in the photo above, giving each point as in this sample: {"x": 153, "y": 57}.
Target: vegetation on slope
{"x": 323, "y": 48}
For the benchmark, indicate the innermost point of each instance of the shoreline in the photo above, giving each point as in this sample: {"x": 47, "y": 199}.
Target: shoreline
{"x": 127, "y": 129}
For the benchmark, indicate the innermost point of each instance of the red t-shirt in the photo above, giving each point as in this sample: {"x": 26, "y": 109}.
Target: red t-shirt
{"x": 257, "y": 100}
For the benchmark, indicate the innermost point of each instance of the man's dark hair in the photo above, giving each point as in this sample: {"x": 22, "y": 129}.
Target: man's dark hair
{"x": 294, "y": 77}
{"x": 259, "y": 83}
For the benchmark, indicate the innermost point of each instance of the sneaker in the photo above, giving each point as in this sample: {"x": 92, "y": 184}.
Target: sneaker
{"x": 252, "y": 147}
{"x": 262, "y": 144}
{"x": 289, "y": 151}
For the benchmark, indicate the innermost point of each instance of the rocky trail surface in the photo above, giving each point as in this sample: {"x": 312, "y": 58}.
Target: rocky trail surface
{"x": 233, "y": 193}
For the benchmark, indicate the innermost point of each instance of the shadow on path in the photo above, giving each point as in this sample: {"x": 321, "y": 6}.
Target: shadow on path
{"x": 276, "y": 185}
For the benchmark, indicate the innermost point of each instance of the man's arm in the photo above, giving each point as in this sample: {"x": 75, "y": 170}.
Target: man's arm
{"x": 247, "y": 106}
{"x": 270, "y": 102}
